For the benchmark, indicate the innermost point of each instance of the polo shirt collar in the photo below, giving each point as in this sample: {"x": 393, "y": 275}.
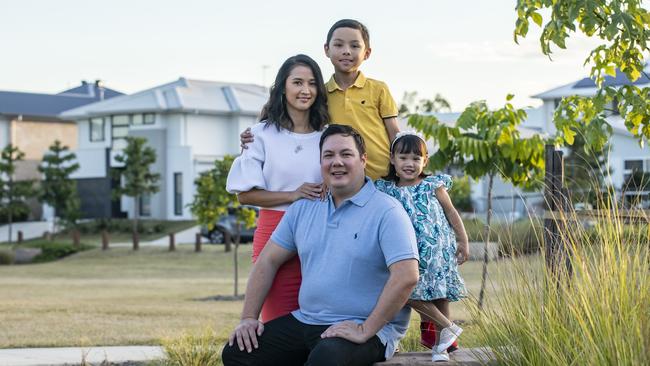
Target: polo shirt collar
{"x": 362, "y": 197}
{"x": 332, "y": 85}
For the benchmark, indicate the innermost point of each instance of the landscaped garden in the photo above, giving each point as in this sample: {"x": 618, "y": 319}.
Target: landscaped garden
{"x": 153, "y": 296}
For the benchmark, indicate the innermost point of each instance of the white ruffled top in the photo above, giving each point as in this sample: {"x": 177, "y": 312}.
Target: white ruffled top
{"x": 276, "y": 161}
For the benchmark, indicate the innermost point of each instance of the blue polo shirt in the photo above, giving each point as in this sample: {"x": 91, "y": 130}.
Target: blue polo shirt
{"x": 345, "y": 253}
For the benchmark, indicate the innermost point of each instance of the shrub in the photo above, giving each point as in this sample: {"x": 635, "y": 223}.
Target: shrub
{"x": 6, "y": 256}
{"x": 521, "y": 237}
{"x": 158, "y": 228}
{"x": 22, "y": 214}
{"x": 460, "y": 194}
{"x": 52, "y": 251}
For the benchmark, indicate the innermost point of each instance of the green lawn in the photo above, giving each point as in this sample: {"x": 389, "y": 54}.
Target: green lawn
{"x": 121, "y": 297}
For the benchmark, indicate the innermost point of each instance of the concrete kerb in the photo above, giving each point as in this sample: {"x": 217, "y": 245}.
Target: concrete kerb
{"x": 134, "y": 355}
{"x": 463, "y": 356}
{"x": 61, "y": 356}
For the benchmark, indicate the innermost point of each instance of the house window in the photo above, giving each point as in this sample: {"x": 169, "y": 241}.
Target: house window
{"x": 149, "y": 118}
{"x": 143, "y": 119}
{"x": 178, "y": 194}
{"x": 635, "y": 166}
{"x": 136, "y": 119}
{"x": 96, "y": 129}
{"x": 145, "y": 205}
{"x": 119, "y": 131}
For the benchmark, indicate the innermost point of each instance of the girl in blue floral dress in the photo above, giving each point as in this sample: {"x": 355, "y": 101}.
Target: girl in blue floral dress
{"x": 441, "y": 236}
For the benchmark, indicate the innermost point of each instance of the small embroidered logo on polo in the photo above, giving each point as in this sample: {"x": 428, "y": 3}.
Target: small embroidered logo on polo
{"x": 356, "y": 235}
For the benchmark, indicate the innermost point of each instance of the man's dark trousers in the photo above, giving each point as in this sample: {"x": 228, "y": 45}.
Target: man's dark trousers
{"x": 288, "y": 342}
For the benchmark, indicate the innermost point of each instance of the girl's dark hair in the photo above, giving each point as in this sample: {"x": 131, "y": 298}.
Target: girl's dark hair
{"x": 275, "y": 110}
{"x": 406, "y": 144}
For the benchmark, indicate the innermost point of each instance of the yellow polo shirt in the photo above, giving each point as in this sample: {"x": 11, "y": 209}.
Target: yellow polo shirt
{"x": 363, "y": 106}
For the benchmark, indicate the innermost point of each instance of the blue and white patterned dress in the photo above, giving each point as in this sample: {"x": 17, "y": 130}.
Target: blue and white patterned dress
{"x": 439, "y": 277}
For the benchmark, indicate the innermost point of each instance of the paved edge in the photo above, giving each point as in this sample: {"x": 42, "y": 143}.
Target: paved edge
{"x": 75, "y": 355}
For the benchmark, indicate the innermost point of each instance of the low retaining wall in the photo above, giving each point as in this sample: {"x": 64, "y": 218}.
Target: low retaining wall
{"x": 463, "y": 356}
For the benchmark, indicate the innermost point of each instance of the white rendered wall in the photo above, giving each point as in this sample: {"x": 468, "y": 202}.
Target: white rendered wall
{"x": 4, "y": 132}
{"x": 91, "y": 155}
{"x": 156, "y": 139}
{"x": 92, "y": 163}
{"x": 212, "y": 135}
{"x": 624, "y": 147}
{"x": 84, "y": 135}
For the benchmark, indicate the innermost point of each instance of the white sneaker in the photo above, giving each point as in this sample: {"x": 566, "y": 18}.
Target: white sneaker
{"x": 440, "y": 357}
{"x": 447, "y": 336}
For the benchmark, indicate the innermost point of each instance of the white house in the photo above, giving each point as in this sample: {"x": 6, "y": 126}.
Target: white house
{"x": 189, "y": 123}
{"x": 625, "y": 155}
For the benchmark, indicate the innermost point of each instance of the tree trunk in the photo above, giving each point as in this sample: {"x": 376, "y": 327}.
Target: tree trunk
{"x": 54, "y": 221}
{"x": 486, "y": 257}
{"x": 237, "y": 239}
{"x": 136, "y": 239}
{"x": 226, "y": 242}
{"x": 9, "y": 222}
{"x": 9, "y": 213}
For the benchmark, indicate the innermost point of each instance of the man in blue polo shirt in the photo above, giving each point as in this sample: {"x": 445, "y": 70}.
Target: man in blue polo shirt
{"x": 359, "y": 265}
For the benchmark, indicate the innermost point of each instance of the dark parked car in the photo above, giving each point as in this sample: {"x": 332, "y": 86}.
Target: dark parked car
{"x": 227, "y": 224}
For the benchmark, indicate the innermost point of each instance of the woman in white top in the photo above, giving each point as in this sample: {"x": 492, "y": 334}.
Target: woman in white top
{"x": 282, "y": 165}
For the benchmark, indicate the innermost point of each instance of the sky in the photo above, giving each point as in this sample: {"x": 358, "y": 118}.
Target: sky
{"x": 463, "y": 50}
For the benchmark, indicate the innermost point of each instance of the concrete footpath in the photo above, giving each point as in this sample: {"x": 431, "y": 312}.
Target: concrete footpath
{"x": 187, "y": 236}
{"x": 76, "y": 355}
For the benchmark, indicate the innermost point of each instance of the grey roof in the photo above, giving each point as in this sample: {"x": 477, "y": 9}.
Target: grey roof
{"x": 586, "y": 86}
{"x": 182, "y": 95}
{"x": 50, "y": 106}
{"x": 618, "y": 80}
{"x": 87, "y": 89}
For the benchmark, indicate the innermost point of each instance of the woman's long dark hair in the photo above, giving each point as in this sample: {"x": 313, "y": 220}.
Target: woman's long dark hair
{"x": 275, "y": 110}
{"x": 406, "y": 144}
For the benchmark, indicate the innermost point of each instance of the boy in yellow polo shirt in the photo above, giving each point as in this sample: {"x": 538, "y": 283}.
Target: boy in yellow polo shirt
{"x": 363, "y": 103}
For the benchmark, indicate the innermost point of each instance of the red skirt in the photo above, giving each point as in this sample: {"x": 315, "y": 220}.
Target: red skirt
{"x": 283, "y": 295}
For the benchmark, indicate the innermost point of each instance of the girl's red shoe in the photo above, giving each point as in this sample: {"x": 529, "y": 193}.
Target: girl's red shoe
{"x": 428, "y": 337}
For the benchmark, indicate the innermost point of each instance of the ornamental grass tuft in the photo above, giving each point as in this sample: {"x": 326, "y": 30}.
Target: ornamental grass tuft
{"x": 599, "y": 314}
{"x": 194, "y": 349}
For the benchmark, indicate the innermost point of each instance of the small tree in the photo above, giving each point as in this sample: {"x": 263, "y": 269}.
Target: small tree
{"x": 623, "y": 27}
{"x": 136, "y": 176}
{"x": 410, "y": 104}
{"x": 57, "y": 189}
{"x": 12, "y": 193}
{"x": 211, "y": 201}
{"x": 486, "y": 143}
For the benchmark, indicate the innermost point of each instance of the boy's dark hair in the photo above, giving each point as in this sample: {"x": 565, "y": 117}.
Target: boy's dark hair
{"x": 275, "y": 111}
{"x": 406, "y": 144}
{"x": 343, "y": 130}
{"x": 350, "y": 23}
